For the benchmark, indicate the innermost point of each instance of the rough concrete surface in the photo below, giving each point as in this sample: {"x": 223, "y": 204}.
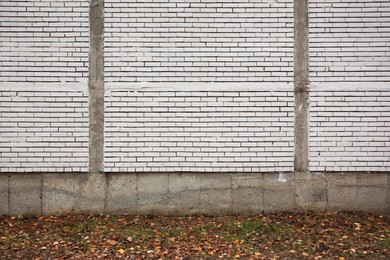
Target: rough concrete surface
{"x": 301, "y": 85}
{"x": 342, "y": 191}
{"x": 370, "y": 191}
{"x": 153, "y": 193}
{"x": 90, "y": 192}
{"x": 248, "y": 193}
{"x": 96, "y": 86}
{"x": 184, "y": 193}
{"x": 58, "y": 193}
{"x": 122, "y": 195}
{"x": 215, "y": 193}
{"x": 192, "y": 193}
{"x": 311, "y": 191}
{"x": 279, "y": 192}
{"x": 388, "y": 194}
{"x": 25, "y": 194}
{"x": 4, "y": 194}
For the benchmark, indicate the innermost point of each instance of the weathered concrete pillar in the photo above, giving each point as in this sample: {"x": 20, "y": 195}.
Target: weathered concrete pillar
{"x": 301, "y": 84}
{"x": 90, "y": 192}
{"x": 96, "y": 86}
{"x": 310, "y": 189}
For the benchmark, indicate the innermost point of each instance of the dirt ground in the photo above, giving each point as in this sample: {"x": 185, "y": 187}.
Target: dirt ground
{"x": 281, "y": 235}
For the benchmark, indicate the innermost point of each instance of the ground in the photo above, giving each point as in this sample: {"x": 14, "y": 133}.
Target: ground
{"x": 265, "y": 236}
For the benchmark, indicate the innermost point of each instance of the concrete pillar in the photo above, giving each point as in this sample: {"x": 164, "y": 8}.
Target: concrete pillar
{"x": 90, "y": 191}
{"x": 301, "y": 84}
{"x": 96, "y": 86}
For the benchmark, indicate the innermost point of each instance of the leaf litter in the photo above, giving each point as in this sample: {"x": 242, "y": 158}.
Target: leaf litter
{"x": 283, "y": 235}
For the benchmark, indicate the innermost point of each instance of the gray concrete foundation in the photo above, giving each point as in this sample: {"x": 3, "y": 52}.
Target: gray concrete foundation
{"x": 248, "y": 193}
{"x": 25, "y": 194}
{"x": 90, "y": 193}
{"x": 192, "y": 193}
{"x": 279, "y": 194}
{"x": 184, "y": 193}
{"x": 58, "y": 193}
{"x": 4, "y": 194}
{"x": 122, "y": 195}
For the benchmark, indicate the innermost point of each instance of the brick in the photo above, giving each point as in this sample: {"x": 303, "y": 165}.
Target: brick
{"x": 209, "y": 126}
{"x": 204, "y": 29}
{"x": 334, "y": 37}
{"x": 351, "y": 136}
{"x": 38, "y": 133}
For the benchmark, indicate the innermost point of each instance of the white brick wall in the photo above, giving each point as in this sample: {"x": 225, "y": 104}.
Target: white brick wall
{"x": 349, "y": 40}
{"x": 179, "y": 127}
{"x": 44, "y": 40}
{"x": 349, "y": 130}
{"x": 43, "y": 130}
{"x": 199, "y": 41}
{"x": 200, "y": 131}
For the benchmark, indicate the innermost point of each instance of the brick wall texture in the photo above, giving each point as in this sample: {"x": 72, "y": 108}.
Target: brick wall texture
{"x": 44, "y": 68}
{"x": 44, "y": 40}
{"x": 350, "y": 131}
{"x": 43, "y": 131}
{"x": 349, "y": 40}
{"x": 199, "y": 131}
{"x": 199, "y": 41}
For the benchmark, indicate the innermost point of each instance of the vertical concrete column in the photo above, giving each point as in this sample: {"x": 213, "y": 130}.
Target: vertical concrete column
{"x": 301, "y": 85}
{"x": 90, "y": 191}
{"x": 96, "y": 86}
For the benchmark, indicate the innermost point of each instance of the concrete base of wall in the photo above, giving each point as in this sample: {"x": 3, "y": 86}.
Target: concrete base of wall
{"x": 192, "y": 193}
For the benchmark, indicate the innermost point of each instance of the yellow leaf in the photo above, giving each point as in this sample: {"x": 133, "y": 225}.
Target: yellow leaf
{"x": 122, "y": 251}
{"x": 211, "y": 253}
{"x": 341, "y": 258}
{"x": 345, "y": 236}
{"x": 237, "y": 256}
{"x": 13, "y": 217}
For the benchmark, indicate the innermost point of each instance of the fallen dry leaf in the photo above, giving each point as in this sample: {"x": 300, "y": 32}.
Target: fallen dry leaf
{"x": 300, "y": 235}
